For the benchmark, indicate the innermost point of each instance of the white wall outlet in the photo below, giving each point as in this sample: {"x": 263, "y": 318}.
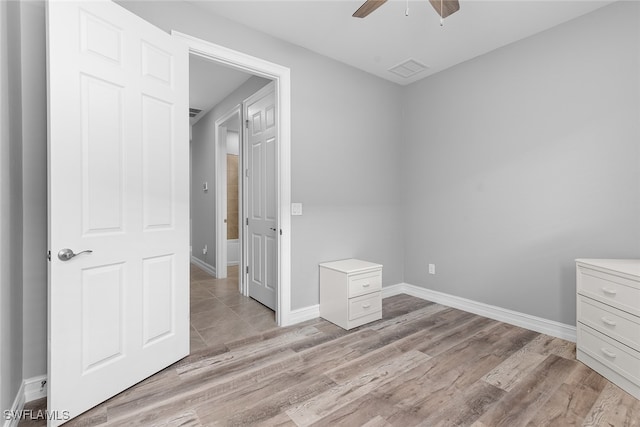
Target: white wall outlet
{"x": 296, "y": 208}
{"x": 205, "y": 250}
{"x": 432, "y": 269}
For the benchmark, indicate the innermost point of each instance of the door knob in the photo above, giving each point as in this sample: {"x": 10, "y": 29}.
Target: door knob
{"x": 272, "y": 229}
{"x": 67, "y": 254}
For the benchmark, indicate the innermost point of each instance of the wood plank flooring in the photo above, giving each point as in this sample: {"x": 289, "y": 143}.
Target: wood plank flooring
{"x": 423, "y": 364}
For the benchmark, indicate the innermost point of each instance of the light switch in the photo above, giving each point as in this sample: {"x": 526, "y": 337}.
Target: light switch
{"x": 296, "y": 208}
{"x": 205, "y": 187}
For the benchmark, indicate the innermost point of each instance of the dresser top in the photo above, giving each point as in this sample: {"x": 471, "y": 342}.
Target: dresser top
{"x": 351, "y": 265}
{"x": 630, "y": 267}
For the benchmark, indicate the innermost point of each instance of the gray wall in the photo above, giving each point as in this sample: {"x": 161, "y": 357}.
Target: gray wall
{"x": 345, "y": 157}
{"x": 34, "y": 186}
{"x": 519, "y": 161}
{"x": 203, "y": 170}
{"x": 11, "y": 206}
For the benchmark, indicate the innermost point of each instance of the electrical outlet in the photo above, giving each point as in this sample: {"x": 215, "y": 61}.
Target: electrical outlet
{"x": 432, "y": 269}
{"x": 205, "y": 250}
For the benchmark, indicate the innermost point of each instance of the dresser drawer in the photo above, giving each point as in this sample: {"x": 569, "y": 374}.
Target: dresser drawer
{"x": 615, "y": 323}
{"x": 613, "y": 290}
{"x": 610, "y": 353}
{"x": 365, "y": 305}
{"x": 365, "y": 283}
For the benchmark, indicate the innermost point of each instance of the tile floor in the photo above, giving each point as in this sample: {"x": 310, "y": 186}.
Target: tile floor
{"x": 219, "y": 313}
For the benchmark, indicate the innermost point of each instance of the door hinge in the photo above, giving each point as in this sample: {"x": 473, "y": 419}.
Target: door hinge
{"x": 246, "y": 123}
{"x": 247, "y": 221}
{"x": 49, "y": 255}
{"x": 246, "y": 172}
{"x": 281, "y": 231}
{"x": 247, "y": 270}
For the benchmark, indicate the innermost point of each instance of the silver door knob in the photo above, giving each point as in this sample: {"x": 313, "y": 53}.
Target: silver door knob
{"x": 67, "y": 254}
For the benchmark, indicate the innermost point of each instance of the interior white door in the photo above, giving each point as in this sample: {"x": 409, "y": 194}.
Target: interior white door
{"x": 118, "y": 186}
{"x": 262, "y": 238}
{"x": 221, "y": 200}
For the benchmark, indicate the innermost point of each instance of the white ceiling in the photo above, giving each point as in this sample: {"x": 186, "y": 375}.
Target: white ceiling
{"x": 210, "y": 83}
{"x": 387, "y": 37}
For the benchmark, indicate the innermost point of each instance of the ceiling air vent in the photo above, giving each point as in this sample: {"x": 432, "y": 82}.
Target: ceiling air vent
{"x": 194, "y": 112}
{"x": 408, "y": 68}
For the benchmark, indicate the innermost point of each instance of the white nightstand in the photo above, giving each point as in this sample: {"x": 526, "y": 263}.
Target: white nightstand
{"x": 350, "y": 292}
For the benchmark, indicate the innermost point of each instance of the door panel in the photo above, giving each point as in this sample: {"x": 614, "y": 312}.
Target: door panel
{"x": 102, "y": 331}
{"x": 158, "y": 290}
{"x": 158, "y": 171}
{"x": 261, "y": 161}
{"x": 118, "y": 185}
{"x": 102, "y": 165}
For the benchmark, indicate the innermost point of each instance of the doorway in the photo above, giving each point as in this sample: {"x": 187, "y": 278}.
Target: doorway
{"x": 282, "y": 82}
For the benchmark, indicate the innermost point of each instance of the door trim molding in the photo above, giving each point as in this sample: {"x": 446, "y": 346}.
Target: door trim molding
{"x": 282, "y": 77}
{"x": 221, "y": 190}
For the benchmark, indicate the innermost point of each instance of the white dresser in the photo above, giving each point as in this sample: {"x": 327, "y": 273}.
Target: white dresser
{"x": 608, "y": 319}
{"x": 350, "y": 292}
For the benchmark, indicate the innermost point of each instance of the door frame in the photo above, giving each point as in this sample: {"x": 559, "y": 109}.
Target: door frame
{"x": 282, "y": 77}
{"x": 220, "y": 151}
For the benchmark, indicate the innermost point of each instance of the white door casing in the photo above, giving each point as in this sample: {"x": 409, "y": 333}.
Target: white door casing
{"x": 261, "y": 156}
{"x": 118, "y": 185}
{"x": 282, "y": 78}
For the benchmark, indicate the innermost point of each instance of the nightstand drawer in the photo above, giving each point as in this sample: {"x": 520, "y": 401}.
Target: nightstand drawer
{"x": 610, "y": 289}
{"x": 615, "y": 323}
{"x": 610, "y": 353}
{"x": 365, "y": 283}
{"x": 365, "y": 305}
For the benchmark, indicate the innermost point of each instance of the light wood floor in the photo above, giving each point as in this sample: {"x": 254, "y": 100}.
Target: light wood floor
{"x": 422, "y": 364}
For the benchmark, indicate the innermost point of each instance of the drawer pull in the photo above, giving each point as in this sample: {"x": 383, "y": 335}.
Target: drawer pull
{"x": 608, "y": 321}
{"x": 609, "y": 291}
{"x": 366, "y": 305}
{"x": 366, "y": 285}
{"x": 608, "y": 353}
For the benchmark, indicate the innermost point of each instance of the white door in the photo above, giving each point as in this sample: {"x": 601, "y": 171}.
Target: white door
{"x": 118, "y": 186}
{"x": 221, "y": 199}
{"x": 262, "y": 238}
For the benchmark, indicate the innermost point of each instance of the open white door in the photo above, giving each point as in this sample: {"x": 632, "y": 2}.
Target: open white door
{"x": 262, "y": 224}
{"x": 118, "y": 186}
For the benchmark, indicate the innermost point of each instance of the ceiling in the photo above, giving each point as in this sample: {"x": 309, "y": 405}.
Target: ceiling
{"x": 387, "y": 37}
{"x": 210, "y": 83}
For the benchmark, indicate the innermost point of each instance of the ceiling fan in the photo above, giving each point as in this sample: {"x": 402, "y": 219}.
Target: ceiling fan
{"x": 443, "y": 7}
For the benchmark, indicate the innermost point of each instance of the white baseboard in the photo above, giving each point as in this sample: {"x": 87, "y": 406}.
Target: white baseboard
{"x": 35, "y": 388}
{"x": 203, "y": 265}
{"x": 13, "y": 417}
{"x": 30, "y": 389}
{"x": 302, "y": 315}
{"x": 534, "y": 323}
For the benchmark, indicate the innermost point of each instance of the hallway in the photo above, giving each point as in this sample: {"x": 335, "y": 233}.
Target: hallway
{"x": 220, "y": 314}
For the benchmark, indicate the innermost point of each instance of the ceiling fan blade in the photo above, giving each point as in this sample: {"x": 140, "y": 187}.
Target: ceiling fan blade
{"x": 448, "y": 7}
{"x": 368, "y": 7}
